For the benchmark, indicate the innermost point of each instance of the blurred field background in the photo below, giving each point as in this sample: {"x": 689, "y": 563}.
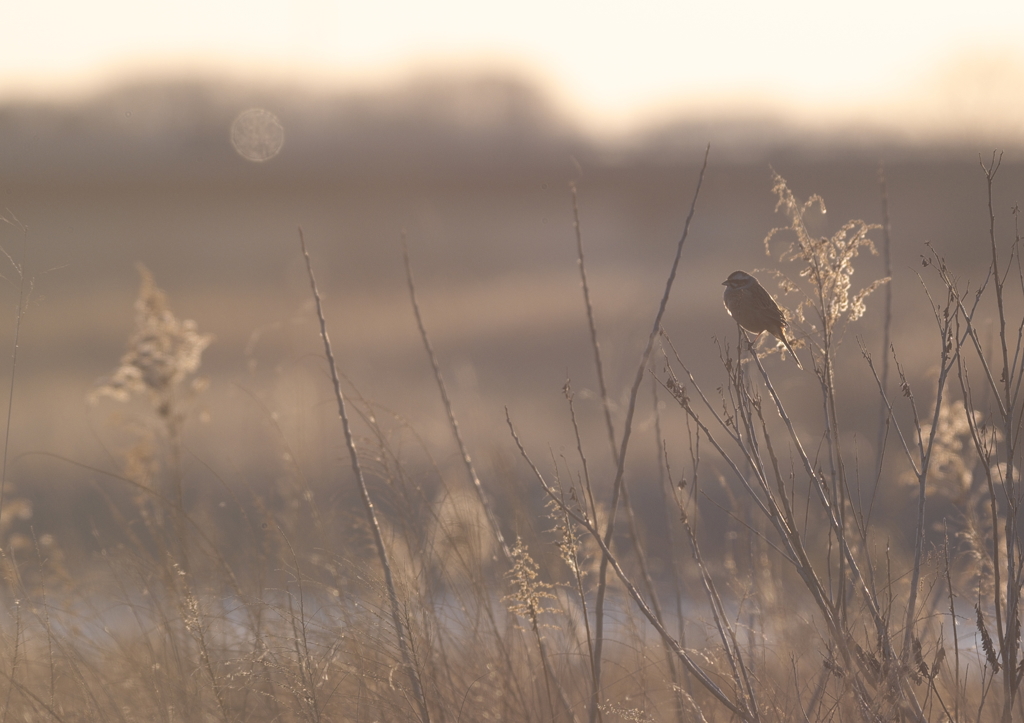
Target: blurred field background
{"x": 475, "y": 172}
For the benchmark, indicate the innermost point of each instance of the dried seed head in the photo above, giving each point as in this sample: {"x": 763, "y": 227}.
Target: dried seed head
{"x": 161, "y": 354}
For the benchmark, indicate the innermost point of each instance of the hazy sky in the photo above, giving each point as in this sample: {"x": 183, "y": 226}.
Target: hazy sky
{"x": 609, "y": 63}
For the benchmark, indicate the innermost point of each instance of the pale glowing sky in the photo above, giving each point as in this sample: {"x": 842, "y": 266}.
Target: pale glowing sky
{"x": 609, "y": 63}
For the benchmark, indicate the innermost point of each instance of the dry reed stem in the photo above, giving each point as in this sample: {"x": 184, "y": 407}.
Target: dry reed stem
{"x": 551, "y": 680}
{"x": 364, "y": 492}
{"x": 634, "y": 535}
{"x": 617, "y": 485}
{"x": 19, "y": 315}
{"x": 453, "y": 423}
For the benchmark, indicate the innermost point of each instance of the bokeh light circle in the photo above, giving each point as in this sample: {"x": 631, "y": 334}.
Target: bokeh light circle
{"x": 257, "y": 135}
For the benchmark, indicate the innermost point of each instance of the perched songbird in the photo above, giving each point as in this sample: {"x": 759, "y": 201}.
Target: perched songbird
{"x": 754, "y": 309}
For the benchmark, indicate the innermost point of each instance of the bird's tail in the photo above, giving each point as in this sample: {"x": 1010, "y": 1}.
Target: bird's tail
{"x": 795, "y": 357}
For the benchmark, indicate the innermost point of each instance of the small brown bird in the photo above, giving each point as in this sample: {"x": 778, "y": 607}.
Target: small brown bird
{"x": 754, "y": 309}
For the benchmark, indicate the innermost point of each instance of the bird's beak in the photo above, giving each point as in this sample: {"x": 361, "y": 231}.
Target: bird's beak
{"x": 725, "y": 283}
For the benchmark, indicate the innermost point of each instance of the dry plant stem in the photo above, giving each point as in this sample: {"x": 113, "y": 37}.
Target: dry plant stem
{"x": 190, "y": 608}
{"x": 857, "y": 578}
{"x": 14, "y": 660}
{"x": 726, "y": 632}
{"x": 14, "y": 353}
{"x": 837, "y": 470}
{"x": 12, "y": 683}
{"x": 1010, "y": 632}
{"x": 550, "y": 681}
{"x": 595, "y": 713}
{"x": 628, "y": 428}
{"x": 291, "y": 455}
{"x": 605, "y": 401}
{"x": 588, "y": 497}
{"x": 641, "y": 560}
{"x": 474, "y": 479}
{"x": 952, "y": 620}
{"x": 644, "y": 568}
{"x": 300, "y": 642}
{"x": 990, "y": 174}
{"x": 7, "y": 430}
{"x": 819, "y": 690}
{"x": 1006, "y": 414}
{"x": 1009, "y": 638}
{"x": 364, "y": 492}
{"x": 45, "y": 607}
{"x": 949, "y": 356}
{"x": 822, "y": 492}
{"x": 452, "y": 422}
{"x": 886, "y": 328}
{"x": 40, "y": 703}
{"x": 841, "y": 634}
{"x": 1005, "y": 396}
{"x": 782, "y": 518}
{"x": 189, "y": 611}
{"x": 204, "y": 651}
{"x": 925, "y": 452}
{"x": 665, "y": 484}
{"x": 705, "y": 680}
{"x": 795, "y": 554}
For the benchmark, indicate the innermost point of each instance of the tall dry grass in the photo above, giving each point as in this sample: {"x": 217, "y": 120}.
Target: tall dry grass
{"x": 769, "y": 591}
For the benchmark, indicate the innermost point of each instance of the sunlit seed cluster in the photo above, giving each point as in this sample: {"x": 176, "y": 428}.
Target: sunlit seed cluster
{"x": 161, "y": 354}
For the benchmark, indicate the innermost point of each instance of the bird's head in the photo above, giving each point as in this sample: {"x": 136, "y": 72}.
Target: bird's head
{"x": 739, "y": 279}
